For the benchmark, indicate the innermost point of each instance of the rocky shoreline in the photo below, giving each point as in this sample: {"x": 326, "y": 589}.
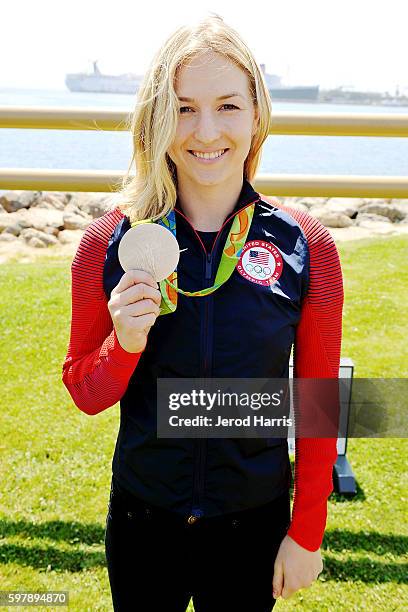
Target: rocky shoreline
{"x": 34, "y": 221}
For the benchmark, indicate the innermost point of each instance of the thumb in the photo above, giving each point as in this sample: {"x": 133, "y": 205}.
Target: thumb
{"x": 277, "y": 579}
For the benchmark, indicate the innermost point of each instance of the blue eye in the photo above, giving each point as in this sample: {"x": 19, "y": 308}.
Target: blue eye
{"x": 231, "y": 105}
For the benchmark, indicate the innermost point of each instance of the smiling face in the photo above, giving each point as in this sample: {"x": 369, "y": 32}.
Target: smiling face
{"x": 216, "y": 115}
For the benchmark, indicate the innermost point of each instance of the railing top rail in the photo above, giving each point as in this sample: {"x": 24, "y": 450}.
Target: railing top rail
{"x": 268, "y": 184}
{"x": 284, "y": 123}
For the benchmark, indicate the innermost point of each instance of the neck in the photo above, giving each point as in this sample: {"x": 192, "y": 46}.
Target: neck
{"x": 207, "y": 207}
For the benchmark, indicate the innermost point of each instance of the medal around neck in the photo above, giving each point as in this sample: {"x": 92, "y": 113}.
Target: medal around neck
{"x": 158, "y": 252}
{"x": 149, "y": 247}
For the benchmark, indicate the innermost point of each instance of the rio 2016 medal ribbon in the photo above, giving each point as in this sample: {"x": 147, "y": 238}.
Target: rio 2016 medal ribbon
{"x": 153, "y": 247}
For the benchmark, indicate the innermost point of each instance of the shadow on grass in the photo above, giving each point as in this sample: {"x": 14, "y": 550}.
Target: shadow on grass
{"x": 40, "y": 557}
{"x": 341, "y": 498}
{"x": 370, "y": 541}
{"x": 363, "y": 569}
{"x": 71, "y": 532}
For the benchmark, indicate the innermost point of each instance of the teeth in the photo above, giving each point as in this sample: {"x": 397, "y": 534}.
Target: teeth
{"x": 208, "y": 155}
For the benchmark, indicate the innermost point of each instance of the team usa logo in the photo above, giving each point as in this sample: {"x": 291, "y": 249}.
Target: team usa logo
{"x": 260, "y": 262}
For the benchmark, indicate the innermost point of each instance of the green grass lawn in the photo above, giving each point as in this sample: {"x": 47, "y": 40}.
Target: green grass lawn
{"x": 55, "y": 462}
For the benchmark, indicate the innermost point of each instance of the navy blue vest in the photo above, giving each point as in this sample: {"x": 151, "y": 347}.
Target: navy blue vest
{"x": 241, "y": 330}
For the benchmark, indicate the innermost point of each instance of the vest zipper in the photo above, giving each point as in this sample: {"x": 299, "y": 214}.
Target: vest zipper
{"x": 208, "y": 267}
{"x": 200, "y": 445}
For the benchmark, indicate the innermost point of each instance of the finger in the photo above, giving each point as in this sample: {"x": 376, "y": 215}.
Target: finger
{"x": 277, "y": 582}
{"x": 138, "y": 292}
{"x": 133, "y": 277}
{"x": 140, "y": 308}
{"x": 287, "y": 592}
{"x": 145, "y": 322}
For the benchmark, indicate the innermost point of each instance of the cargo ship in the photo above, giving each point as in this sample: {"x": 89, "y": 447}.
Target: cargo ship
{"x": 289, "y": 93}
{"x": 128, "y": 83}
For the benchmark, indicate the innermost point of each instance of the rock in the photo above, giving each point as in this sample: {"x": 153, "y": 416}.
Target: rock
{"x": 346, "y": 206}
{"x": 384, "y": 226}
{"x": 284, "y": 201}
{"x": 14, "y": 229}
{"x": 70, "y": 236}
{"x": 311, "y": 202}
{"x": 28, "y": 233}
{"x": 377, "y": 200}
{"x": 69, "y": 195}
{"x": 98, "y": 206}
{"x": 46, "y": 239}
{"x": 56, "y": 198}
{"x": 10, "y": 204}
{"x": 39, "y": 218}
{"x": 4, "y": 221}
{"x": 52, "y": 201}
{"x": 330, "y": 218}
{"x": 386, "y": 210}
{"x": 74, "y": 221}
{"x": 75, "y": 210}
{"x": 403, "y": 202}
{"x": 49, "y": 206}
{"x": 16, "y": 200}
{"x": 7, "y": 219}
{"x": 49, "y": 239}
{"x": 7, "y": 237}
{"x": 36, "y": 242}
{"x": 79, "y": 201}
{"x": 54, "y": 231}
{"x": 93, "y": 205}
{"x": 402, "y": 206}
{"x": 367, "y": 218}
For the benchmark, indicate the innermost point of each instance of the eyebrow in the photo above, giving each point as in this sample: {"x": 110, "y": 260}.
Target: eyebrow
{"x": 224, "y": 97}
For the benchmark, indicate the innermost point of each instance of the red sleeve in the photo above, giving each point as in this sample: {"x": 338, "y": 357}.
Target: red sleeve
{"x": 317, "y": 350}
{"x": 96, "y": 369}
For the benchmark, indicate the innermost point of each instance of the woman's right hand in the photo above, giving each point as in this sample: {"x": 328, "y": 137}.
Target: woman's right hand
{"x": 134, "y": 306}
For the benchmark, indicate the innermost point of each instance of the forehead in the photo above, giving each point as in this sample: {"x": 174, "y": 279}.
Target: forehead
{"x": 210, "y": 75}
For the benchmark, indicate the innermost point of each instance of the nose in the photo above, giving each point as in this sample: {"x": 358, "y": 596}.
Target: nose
{"x": 207, "y": 129}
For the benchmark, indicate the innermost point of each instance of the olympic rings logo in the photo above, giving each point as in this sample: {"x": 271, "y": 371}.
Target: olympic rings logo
{"x": 261, "y": 271}
{"x": 260, "y": 262}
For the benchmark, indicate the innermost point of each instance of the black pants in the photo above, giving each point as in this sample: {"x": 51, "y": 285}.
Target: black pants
{"x": 157, "y": 561}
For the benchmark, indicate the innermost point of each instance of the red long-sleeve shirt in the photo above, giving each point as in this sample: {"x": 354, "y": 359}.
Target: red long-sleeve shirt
{"x": 96, "y": 370}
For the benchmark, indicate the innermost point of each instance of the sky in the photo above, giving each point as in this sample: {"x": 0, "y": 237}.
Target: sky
{"x": 359, "y": 44}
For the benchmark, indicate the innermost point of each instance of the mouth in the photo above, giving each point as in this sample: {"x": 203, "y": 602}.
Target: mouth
{"x": 209, "y": 160}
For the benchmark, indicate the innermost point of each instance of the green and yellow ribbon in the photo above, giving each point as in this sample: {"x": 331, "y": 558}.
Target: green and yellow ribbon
{"x": 230, "y": 256}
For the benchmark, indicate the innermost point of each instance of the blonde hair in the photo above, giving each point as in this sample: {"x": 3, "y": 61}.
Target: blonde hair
{"x": 152, "y": 191}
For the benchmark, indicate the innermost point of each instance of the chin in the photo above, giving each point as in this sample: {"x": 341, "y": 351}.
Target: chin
{"x": 211, "y": 180}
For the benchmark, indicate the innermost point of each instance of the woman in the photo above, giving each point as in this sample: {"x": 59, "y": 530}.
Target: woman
{"x": 205, "y": 518}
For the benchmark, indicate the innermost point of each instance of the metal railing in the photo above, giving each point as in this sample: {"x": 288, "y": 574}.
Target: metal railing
{"x": 288, "y": 123}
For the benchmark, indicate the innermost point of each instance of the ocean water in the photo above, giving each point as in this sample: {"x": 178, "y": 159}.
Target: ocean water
{"x": 112, "y": 150}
